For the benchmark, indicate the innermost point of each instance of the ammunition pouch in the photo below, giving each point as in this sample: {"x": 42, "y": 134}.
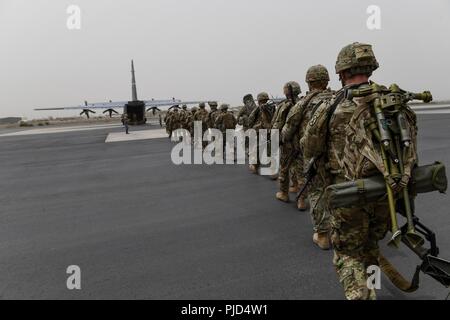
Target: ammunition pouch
{"x": 424, "y": 179}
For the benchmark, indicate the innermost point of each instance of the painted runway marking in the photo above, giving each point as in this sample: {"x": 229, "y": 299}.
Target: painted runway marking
{"x": 136, "y": 135}
{"x": 59, "y": 130}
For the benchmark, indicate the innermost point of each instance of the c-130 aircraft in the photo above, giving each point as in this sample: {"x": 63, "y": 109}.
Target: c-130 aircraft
{"x": 134, "y": 109}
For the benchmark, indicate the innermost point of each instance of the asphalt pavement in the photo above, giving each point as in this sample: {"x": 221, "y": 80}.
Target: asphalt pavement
{"x": 141, "y": 227}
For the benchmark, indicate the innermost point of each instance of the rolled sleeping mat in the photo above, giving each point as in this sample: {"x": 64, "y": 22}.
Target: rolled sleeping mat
{"x": 424, "y": 179}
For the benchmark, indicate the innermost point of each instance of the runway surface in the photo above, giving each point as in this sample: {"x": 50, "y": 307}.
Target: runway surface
{"x": 140, "y": 227}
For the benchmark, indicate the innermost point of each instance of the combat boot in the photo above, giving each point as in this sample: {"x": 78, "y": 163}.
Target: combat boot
{"x": 301, "y": 204}
{"x": 282, "y": 196}
{"x": 322, "y": 240}
{"x": 295, "y": 188}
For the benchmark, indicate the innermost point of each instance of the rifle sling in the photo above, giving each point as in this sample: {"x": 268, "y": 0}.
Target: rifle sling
{"x": 397, "y": 278}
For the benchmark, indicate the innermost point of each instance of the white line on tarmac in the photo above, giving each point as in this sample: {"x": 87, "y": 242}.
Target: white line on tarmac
{"x": 136, "y": 135}
{"x": 59, "y": 130}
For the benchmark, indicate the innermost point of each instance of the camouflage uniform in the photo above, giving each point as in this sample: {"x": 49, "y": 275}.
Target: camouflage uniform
{"x": 184, "y": 115}
{"x": 260, "y": 118}
{"x": 167, "y": 121}
{"x": 202, "y": 115}
{"x": 246, "y": 110}
{"x": 190, "y": 121}
{"x": 355, "y": 231}
{"x": 225, "y": 119}
{"x": 175, "y": 121}
{"x": 294, "y": 130}
{"x": 212, "y": 116}
{"x": 287, "y": 152}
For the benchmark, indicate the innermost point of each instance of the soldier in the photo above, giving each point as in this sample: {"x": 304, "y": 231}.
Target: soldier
{"x": 225, "y": 120}
{"x": 260, "y": 118}
{"x": 212, "y": 116}
{"x": 246, "y": 110}
{"x": 167, "y": 120}
{"x": 317, "y": 78}
{"x": 202, "y": 115}
{"x": 175, "y": 121}
{"x": 190, "y": 121}
{"x": 355, "y": 232}
{"x": 184, "y": 114}
{"x": 125, "y": 122}
{"x": 287, "y": 153}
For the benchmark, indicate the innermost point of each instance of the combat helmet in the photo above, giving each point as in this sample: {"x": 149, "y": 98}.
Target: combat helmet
{"x": 202, "y": 105}
{"x": 194, "y": 109}
{"x": 224, "y": 107}
{"x": 263, "y": 96}
{"x": 248, "y": 97}
{"x": 212, "y": 104}
{"x": 184, "y": 107}
{"x": 317, "y": 73}
{"x": 294, "y": 86}
{"x": 357, "y": 58}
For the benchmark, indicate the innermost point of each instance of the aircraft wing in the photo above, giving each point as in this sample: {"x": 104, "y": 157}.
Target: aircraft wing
{"x": 112, "y": 104}
{"x": 98, "y": 105}
{"x": 278, "y": 100}
{"x": 155, "y": 103}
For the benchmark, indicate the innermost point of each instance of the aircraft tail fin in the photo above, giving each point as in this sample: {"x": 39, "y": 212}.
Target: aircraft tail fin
{"x": 133, "y": 83}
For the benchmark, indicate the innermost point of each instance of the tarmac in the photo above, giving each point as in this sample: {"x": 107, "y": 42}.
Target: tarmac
{"x": 140, "y": 227}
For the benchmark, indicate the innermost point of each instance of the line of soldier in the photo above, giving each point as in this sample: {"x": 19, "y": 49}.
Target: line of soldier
{"x": 290, "y": 117}
{"x": 326, "y": 126}
{"x": 335, "y": 131}
{"x": 217, "y": 118}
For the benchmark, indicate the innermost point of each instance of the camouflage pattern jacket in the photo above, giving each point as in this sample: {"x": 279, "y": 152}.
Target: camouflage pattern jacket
{"x": 212, "y": 117}
{"x": 362, "y": 156}
{"x": 174, "y": 121}
{"x": 261, "y": 117}
{"x": 201, "y": 115}
{"x": 300, "y": 114}
{"x": 184, "y": 116}
{"x": 244, "y": 114}
{"x": 325, "y": 132}
{"x": 225, "y": 120}
{"x": 279, "y": 118}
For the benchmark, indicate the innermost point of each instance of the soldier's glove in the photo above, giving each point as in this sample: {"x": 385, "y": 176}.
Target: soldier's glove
{"x": 392, "y": 184}
{"x": 398, "y": 185}
{"x": 403, "y": 183}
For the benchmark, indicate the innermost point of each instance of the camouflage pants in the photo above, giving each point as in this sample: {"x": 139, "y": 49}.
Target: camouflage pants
{"x": 355, "y": 235}
{"x": 290, "y": 167}
{"x": 319, "y": 214}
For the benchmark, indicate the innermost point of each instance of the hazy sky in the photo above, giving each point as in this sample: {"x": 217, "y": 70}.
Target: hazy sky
{"x": 207, "y": 49}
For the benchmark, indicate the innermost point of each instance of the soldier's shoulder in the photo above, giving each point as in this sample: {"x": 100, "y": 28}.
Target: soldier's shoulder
{"x": 325, "y": 95}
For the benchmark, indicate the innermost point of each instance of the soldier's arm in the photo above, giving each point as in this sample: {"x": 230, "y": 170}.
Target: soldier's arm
{"x": 293, "y": 120}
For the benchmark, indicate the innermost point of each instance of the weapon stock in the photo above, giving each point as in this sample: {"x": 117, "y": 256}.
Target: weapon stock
{"x": 437, "y": 268}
